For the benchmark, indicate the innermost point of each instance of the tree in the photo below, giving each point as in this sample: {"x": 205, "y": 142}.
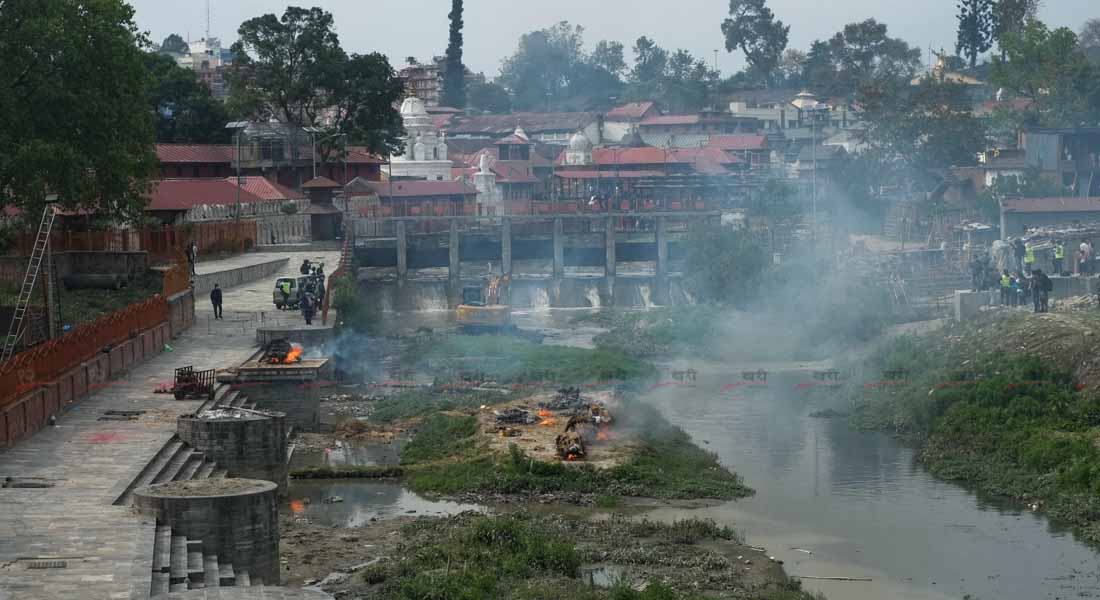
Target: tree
{"x": 454, "y": 75}
{"x": 609, "y": 57}
{"x": 184, "y": 109}
{"x": 755, "y": 31}
{"x": 650, "y": 61}
{"x": 1010, "y": 16}
{"x": 792, "y": 66}
{"x": 293, "y": 69}
{"x": 975, "y": 34}
{"x": 1049, "y": 68}
{"x": 74, "y": 118}
{"x": 925, "y": 130}
{"x": 1090, "y": 34}
{"x": 174, "y": 44}
{"x": 863, "y": 51}
{"x": 543, "y": 69}
{"x": 490, "y": 97}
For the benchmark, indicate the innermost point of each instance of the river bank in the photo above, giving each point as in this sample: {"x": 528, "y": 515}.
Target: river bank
{"x": 545, "y": 522}
{"x": 1009, "y": 406}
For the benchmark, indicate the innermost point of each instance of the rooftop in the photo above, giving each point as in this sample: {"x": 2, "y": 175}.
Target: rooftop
{"x": 265, "y": 188}
{"x": 631, "y": 111}
{"x": 1051, "y": 205}
{"x": 195, "y": 153}
{"x": 502, "y": 125}
{"x": 184, "y": 194}
{"x": 416, "y": 189}
{"x": 738, "y": 142}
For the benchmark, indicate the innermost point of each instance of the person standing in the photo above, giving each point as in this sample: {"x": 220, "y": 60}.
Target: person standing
{"x": 1085, "y": 257}
{"x": 1059, "y": 256}
{"x": 1019, "y": 251}
{"x": 192, "y": 256}
{"x": 284, "y": 287}
{"x": 1034, "y": 285}
{"x": 1006, "y": 288}
{"x": 216, "y": 301}
{"x": 307, "y": 306}
{"x": 1046, "y": 286}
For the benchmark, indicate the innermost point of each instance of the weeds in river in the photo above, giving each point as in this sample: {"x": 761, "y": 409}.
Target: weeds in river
{"x": 1009, "y": 424}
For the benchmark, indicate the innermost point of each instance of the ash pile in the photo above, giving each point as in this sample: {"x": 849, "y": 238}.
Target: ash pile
{"x": 566, "y": 399}
{"x": 281, "y": 352}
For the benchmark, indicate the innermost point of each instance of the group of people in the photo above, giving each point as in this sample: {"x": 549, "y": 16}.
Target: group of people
{"x": 1017, "y": 289}
{"x": 1083, "y": 257}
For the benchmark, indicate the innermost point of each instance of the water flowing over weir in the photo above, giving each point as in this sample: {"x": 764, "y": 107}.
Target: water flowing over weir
{"x": 527, "y": 293}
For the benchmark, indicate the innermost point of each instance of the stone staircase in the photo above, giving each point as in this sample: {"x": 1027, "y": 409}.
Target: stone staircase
{"x": 181, "y": 564}
{"x": 178, "y": 461}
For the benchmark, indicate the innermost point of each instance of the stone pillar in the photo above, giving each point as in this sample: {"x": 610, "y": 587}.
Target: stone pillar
{"x": 248, "y": 444}
{"x": 610, "y": 268}
{"x": 402, "y": 252}
{"x": 454, "y": 270}
{"x": 559, "y": 248}
{"x": 506, "y": 245}
{"x": 662, "y": 296}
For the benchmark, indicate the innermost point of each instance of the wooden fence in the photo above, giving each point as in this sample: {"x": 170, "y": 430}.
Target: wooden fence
{"x": 214, "y": 236}
{"x": 46, "y": 362}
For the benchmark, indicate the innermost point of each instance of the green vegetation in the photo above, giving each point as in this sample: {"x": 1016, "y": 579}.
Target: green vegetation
{"x": 507, "y": 359}
{"x": 82, "y": 306}
{"x": 419, "y": 402}
{"x": 368, "y": 472}
{"x": 444, "y": 457}
{"x": 544, "y": 557}
{"x": 1010, "y": 424}
{"x": 352, "y": 310}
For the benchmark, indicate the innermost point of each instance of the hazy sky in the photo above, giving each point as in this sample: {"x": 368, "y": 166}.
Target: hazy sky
{"x": 401, "y": 28}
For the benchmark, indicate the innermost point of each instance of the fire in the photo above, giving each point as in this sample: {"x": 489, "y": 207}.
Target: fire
{"x": 545, "y": 413}
{"x": 572, "y": 457}
{"x": 604, "y": 434}
{"x": 297, "y": 507}
{"x": 294, "y": 355}
{"x": 548, "y": 422}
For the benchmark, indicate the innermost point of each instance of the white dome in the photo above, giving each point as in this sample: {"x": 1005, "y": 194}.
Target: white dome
{"x": 521, "y": 133}
{"x": 579, "y": 142}
{"x": 413, "y": 106}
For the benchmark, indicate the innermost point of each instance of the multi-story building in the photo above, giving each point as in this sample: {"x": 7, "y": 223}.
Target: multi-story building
{"x": 208, "y": 60}
{"x": 424, "y": 80}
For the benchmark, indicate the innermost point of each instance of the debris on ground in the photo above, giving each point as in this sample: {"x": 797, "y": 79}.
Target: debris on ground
{"x": 567, "y": 399}
{"x": 515, "y": 415}
{"x": 570, "y": 445}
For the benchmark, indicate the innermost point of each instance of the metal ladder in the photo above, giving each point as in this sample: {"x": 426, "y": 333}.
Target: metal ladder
{"x": 41, "y": 243}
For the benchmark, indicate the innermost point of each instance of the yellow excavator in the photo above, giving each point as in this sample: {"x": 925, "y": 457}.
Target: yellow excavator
{"x": 483, "y": 312}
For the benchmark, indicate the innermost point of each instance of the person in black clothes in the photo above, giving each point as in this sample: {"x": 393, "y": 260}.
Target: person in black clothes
{"x": 1019, "y": 250}
{"x": 308, "y": 307}
{"x": 1045, "y": 286}
{"x": 216, "y": 300}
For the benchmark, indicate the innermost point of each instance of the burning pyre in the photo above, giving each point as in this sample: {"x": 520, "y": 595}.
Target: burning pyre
{"x": 281, "y": 352}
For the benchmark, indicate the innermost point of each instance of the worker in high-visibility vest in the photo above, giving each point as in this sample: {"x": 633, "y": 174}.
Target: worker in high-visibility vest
{"x": 1006, "y": 287}
{"x": 1059, "y": 256}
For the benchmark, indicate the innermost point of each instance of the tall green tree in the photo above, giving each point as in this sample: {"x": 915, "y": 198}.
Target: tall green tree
{"x": 1010, "y": 16}
{"x": 490, "y": 97}
{"x": 650, "y": 61}
{"x": 608, "y": 55}
{"x": 859, "y": 53}
{"x": 976, "y": 26}
{"x": 174, "y": 44}
{"x": 753, "y": 28}
{"x": 292, "y": 68}
{"x": 185, "y": 110}
{"x": 454, "y": 74}
{"x": 543, "y": 70}
{"x": 1049, "y": 68}
{"x": 74, "y": 113}
{"x": 923, "y": 129}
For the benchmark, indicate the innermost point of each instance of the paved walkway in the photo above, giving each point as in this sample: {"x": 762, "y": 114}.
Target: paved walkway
{"x": 87, "y": 463}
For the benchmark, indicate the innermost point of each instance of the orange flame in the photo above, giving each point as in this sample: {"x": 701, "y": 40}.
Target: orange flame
{"x": 548, "y": 422}
{"x": 545, "y": 413}
{"x": 572, "y": 457}
{"x": 294, "y": 355}
{"x": 297, "y": 507}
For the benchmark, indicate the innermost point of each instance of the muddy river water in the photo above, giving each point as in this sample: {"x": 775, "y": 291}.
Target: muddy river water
{"x": 830, "y": 502}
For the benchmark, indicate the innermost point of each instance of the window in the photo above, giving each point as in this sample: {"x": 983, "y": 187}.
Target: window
{"x": 195, "y": 171}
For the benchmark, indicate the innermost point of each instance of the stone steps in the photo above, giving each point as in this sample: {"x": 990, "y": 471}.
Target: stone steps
{"x": 181, "y": 564}
{"x": 219, "y": 474}
{"x": 206, "y": 470}
{"x": 243, "y": 580}
{"x": 175, "y": 465}
{"x": 210, "y": 570}
{"x": 191, "y": 467}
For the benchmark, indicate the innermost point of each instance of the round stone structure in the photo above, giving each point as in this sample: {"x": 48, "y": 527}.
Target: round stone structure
{"x": 248, "y": 593}
{"x": 247, "y": 443}
{"x": 237, "y": 519}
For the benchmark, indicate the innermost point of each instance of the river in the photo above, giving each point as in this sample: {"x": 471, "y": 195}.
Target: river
{"x": 857, "y": 501}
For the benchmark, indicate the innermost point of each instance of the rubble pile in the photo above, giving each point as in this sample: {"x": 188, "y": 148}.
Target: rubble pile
{"x": 567, "y": 399}
{"x": 570, "y": 445}
{"x": 515, "y": 416}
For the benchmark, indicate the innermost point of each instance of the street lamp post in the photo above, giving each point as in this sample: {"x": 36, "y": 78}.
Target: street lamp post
{"x": 238, "y": 128}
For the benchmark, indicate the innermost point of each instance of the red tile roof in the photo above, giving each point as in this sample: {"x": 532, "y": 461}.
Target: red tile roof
{"x": 320, "y": 183}
{"x": 633, "y": 156}
{"x": 195, "y": 153}
{"x": 359, "y": 155}
{"x": 738, "y": 142}
{"x": 265, "y": 188}
{"x": 580, "y": 174}
{"x": 670, "y": 120}
{"x": 184, "y": 194}
{"x": 412, "y": 189}
{"x": 1051, "y": 205}
{"x": 631, "y": 111}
